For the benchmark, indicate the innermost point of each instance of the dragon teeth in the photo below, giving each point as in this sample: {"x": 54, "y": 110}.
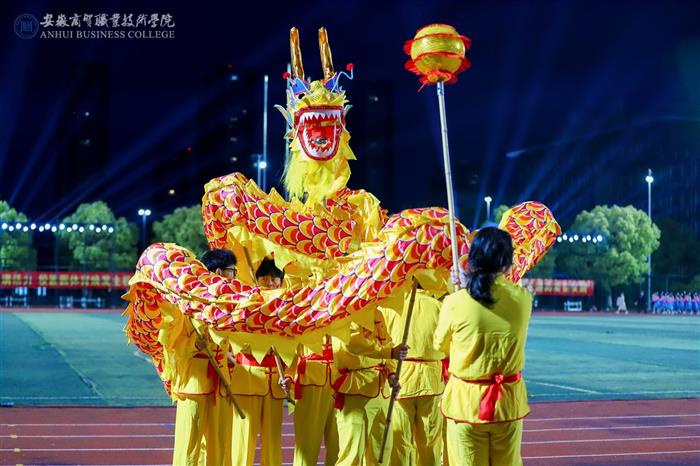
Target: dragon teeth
{"x": 320, "y": 115}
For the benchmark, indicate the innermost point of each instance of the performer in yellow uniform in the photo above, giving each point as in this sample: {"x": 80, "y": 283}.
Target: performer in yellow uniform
{"x": 417, "y": 424}
{"x": 484, "y": 328}
{"x": 202, "y": 420}
{"x": 256, "y": 385}
{"x": 314, "y": 413}
{"x": 364, "y": 365}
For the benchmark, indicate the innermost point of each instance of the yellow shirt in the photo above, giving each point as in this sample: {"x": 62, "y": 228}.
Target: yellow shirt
{"x": 483, "y": 342}
{"x": 192, "y": 374}
{"x": 257, "y": 380}
{"x": 316, "y": 372}
{"x": 357, "y": 360}
{"x": 423, "y": 375}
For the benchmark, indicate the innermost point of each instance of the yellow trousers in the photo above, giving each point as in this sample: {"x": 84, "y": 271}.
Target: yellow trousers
{"x": 314, "y": 420}
{"x": 202, "y": 431}
{"x": 263, "y": 415}
{"x": 361, "y": 425}
{"x": 478, "y": 444}
{"x": 416, "y": 428}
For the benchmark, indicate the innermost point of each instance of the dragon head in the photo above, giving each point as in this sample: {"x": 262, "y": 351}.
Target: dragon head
{"x": 319, "y": 150}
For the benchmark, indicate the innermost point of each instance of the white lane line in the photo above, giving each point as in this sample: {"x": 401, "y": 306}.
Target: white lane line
{"x": 528, "y": 420}
{"x": 626, "y": 439}
{"x": 16, "y": 436}
{"x": 22, "y": 450}
{"x": 596, "y": 455}
{"x": 78, "y": 424}
{"x": 565, "y": 387}
{"x": 114, "y": 424}
{"x": 611, "y": 428}
{"x": 614, "y": 394}
{"x": 87, "y": 397}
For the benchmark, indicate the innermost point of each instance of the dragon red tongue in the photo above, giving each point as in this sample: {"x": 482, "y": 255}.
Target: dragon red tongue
{"x": 327, "y": 137}
{"x": 317, "y": 132}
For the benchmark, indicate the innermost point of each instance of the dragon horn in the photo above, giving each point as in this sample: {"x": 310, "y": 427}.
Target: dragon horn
{"x": 295, "y": 49}
{"x": 326, "y": 58}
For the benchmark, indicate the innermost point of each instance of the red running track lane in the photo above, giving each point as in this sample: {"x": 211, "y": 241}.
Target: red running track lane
{"x": 648, "y": 432}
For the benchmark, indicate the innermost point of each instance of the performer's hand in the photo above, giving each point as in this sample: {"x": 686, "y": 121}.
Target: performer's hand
{"x": 459, "y": 277}
{"x": 399, "y": 352}
{"x": 230, "y": 358}
{"x": 394, "y": 382}
{"x": 285, "y": 383}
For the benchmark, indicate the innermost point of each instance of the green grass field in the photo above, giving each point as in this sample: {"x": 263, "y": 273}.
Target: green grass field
{"x": 83, "y": 359}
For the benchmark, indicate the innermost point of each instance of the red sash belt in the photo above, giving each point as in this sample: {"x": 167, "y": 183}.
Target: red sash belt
{"x": 487, "y": 407}
{"x": 326, "y": 357}
{"x": 446, "y": 370}
{"x": 344, "y": 374}
{"x": 248, "y": 360}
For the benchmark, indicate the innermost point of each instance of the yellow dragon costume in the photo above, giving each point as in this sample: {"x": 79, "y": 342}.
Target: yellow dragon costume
{"x": 342, "y": 254}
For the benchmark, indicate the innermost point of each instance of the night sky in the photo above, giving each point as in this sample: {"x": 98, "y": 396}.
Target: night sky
{"x": 541, "y": 71}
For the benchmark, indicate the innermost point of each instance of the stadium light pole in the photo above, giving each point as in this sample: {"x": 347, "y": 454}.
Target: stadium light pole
{"x": 488, "y": 200}
{"x": 144, "y": 213}
{"x": 649, "y": 179}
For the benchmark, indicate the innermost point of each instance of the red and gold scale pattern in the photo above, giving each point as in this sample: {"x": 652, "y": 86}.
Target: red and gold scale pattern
{"x": 413, "y": 240}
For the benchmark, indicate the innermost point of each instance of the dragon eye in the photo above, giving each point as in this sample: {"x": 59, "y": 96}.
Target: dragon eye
{"x": 301, "y": 95}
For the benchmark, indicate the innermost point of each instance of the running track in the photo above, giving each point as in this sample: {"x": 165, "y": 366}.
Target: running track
{"x": 648, "y": 432}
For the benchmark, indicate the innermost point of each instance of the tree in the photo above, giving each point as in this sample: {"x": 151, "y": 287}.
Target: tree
{"x": 99, "y": 250}
{"x": 546, "y": 267}
{"x": 498, "y": 213}
{"x": 17, "y": 251}
{"x": 678, "y": 252}
{"x": 629, "y": 237}
{"x": 694, "y": 285}
{"x": 184, "y": 226}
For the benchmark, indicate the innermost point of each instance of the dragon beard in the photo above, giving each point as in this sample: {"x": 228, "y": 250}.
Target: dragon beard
{"x": 313, "y": 181}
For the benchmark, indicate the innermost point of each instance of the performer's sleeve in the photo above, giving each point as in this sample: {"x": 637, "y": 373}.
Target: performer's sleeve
{"x": 387, "y": 344}
{"x": 371, "y": 344}
{"x": 291, "y": 371}
{"x": 443, "y": 333}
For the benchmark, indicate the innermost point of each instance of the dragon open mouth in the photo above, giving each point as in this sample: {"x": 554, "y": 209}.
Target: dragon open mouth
{"x": 319, "y": 128}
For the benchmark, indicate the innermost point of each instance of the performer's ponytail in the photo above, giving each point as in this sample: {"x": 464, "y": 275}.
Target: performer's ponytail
{"x": 491, "y": 252}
